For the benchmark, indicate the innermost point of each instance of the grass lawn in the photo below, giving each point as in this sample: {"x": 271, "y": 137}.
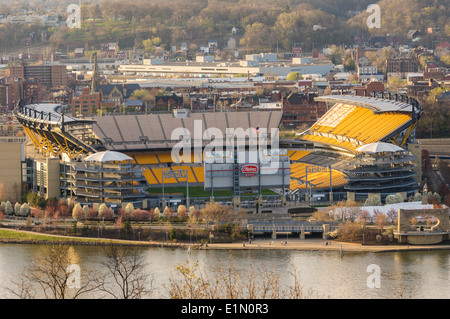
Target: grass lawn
{"x": 22, "y": 236}
{"x": 18, "y": 236}
{"x": 198, "y": 191}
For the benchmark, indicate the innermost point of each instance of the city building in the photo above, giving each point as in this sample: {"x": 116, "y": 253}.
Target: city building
{"x": 168, "y": 102}
{"x": 11, "y": 167}
{"x": 50, "y": 75}
{"x": 109, "y": 50}
{"x": 6, "y": 97}
{"x": 301, "y": 108}
{"x": 117, "y": 93}
{"x": 46, "y": 177}
{"x": 32, "y": 91}
{"x": 368, "y": 72}
{"x": 368, "y": 88}
{"x": 400, "y": 67}
{"x": 87, "y": 102}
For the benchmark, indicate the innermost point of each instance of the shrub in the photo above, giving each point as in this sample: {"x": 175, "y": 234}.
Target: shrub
{"x": 129, "y": 208}
{"x": 24, "y": 210}
{"x": 78, "y": 212}
{"x": 390, "y": 199}
{"x": 140, "y": 214}
{"x": 168, "y": 213}
{"x": 375, "y": 200}
{"x": 9, "y": 210}
{"x": 92, "y": 213}
{"x": 417, "y": 197}
{"x": 157, "y": 213}
{"x": 399, "y": 198}
{"x": 105, "y": 212}
{"x": 17, "y": 209}
{"x": 37, "y": 212}
{"x": 182, "y": 212}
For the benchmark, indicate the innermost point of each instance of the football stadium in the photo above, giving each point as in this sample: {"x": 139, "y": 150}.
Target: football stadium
{"x": 361, "y": 146}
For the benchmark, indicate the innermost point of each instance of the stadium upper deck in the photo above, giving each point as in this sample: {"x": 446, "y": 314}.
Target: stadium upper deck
{"x": 354, "y": 121}
{"x": 155, "y": 131}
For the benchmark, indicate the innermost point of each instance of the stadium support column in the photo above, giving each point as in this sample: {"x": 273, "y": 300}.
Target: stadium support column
{"x": 236, "y": 181}
{"x": 260, "y": 198}
{"x": 187, "y": 190}
{"x": 306, "y": 179}
{"x": 211, "y": 198}
{"x": 163, "y": 202}
{"x": 331, "y": 187}
{"x": 302, "y": 233}
{"x": 326, "y": 230}
{"x": 283, "y": 199}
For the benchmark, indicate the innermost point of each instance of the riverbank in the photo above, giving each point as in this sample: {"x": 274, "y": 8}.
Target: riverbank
{"x": 12, "y": 236}
{"x": 314, "y": 244}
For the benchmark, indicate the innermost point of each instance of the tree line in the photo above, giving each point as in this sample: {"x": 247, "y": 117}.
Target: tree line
{"x": 263, "y": 25}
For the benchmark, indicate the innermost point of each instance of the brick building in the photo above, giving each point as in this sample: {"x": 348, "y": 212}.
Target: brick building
{"x": 300, "y": 108}
{"x": 32, "y": 91}
{"x": 400, "y": 67}
{"x": 368, "y": 88}
{"x": 50, "y": 76}
{"x": 87, "y": 102}
{"x": 6, "y": 97}
{"x": 165, "y": 102}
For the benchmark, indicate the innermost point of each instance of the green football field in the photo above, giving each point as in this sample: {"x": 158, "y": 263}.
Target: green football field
{"x": 198, "y": 191}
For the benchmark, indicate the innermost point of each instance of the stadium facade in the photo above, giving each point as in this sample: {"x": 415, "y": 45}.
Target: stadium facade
{"x": 326, "y": 162}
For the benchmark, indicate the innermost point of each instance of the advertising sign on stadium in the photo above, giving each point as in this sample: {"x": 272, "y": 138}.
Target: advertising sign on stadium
{"x": 249, "y": 170}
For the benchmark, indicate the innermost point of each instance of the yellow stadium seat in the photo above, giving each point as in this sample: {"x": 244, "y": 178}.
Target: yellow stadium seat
{"x": 165, "y": 157}
{"x": 297, "y": 155}
{"x": 143, "y": 159}
{"x": 199, "y": 173}
{"x": 361, "y": 124}
{"x": 150, "y": 177}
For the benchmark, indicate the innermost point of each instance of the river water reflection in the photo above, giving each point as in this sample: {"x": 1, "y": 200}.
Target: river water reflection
{"x": 410, "y": 274}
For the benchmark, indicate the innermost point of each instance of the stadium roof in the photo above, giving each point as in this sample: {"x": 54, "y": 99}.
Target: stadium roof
{"x": 379, "y": 147}
{"x": 49, "y": 113}
{"x": 164, "y": 131}
{"x": 107, "y": 156}
{"x": 376, "y": 104}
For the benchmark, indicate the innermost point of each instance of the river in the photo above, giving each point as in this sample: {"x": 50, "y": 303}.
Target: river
{"x": 408, "y": 274}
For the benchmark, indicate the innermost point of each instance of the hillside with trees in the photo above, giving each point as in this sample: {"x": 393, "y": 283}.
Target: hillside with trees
{"x": 262, "y": 25}
{"x": 400, "y": 16}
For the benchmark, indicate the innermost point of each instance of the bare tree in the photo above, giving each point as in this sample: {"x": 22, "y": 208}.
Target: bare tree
{"x": 188, "y": 281}
{"x": 381, "y": 221}
{"x": 216, "y": 212}
{"x": 126, "y": 276}
{"x": 53, "y": 276}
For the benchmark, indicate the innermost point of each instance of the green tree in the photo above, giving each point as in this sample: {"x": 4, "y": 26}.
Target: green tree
{"x": 395, "y": 83}
{"x": 445, "y": 58}
{"x": 257, "y": 37}
{"x": 150, "y": 44}
{"x": 294, "y": 76}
